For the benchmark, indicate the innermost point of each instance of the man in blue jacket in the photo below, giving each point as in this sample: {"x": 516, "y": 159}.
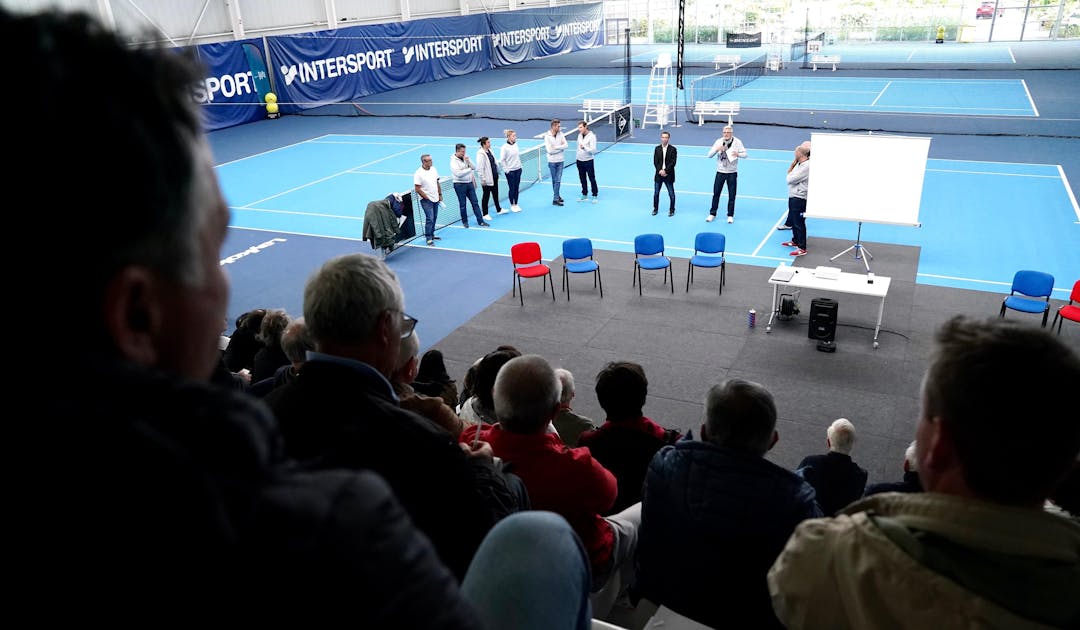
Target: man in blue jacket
{"x": 716, "y": 513}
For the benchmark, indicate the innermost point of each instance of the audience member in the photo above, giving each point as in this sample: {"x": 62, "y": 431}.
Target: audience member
{"x": 433, "y": 380}
{"x": 271, "y": 356}
{"x": 563, "y": 480}
{"x": 976, "y": 549}
{"x": 627, "y": 441}
{"x": 567, "y": 423}
{"x": 433, "y": 408}
{"x": 716, "y": 513}
{"x": 244, "y": 341}
{"x": 295, "y": 342}
{"x": 342, "y": 412}
{"x": 480, "y": 407}
{"x": 836, "y": 478}
{"x": 154, "y": 493}
{"x": 910, "y": 482}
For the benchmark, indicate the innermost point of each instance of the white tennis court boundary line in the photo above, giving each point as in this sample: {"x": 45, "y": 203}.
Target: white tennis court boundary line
{"x": 1069, "y": 192}
{"x": 1023, "y": 82}
{"x": 1064, "y": 291}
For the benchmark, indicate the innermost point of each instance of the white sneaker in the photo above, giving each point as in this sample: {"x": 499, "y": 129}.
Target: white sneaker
{"x": 583, "y": 198}
{"x": 595, "y": 200}
{"x": 709, "y": 219}
{"x": 487, "y": 217}
{"x": 503, "y": 211}
{"x": 515, "y": 208}
{"x": 731, "y": 219}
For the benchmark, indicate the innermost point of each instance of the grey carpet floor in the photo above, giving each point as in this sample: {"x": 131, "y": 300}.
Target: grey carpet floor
{"x": 688, "y": 341}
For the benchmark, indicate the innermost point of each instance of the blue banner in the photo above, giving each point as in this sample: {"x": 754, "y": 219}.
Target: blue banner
{"x": 230, "y": 93}
{"x": 333, "y": 66}
{"x": 518, "y": 36}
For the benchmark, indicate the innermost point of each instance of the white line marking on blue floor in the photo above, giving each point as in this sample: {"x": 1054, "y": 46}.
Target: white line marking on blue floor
{"x": 993, "y": 282}
{"x": 1023, "y": 82}
{"x": 1009, "y": 49}
{"x": 881, "y": 93}
{"x": 296, "y": 212}
{"x": 461, "y": 100}
{"x": 774, "y": 231}
{"x": 1068, "y": 191}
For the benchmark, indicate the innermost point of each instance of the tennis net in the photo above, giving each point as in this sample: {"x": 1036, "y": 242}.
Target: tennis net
{"x": 713, "y": 86}
{"x": 798, "y": 49}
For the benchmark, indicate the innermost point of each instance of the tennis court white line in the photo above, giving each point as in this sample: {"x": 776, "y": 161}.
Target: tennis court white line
{"x": 459, "y": 100}
{"x": 911, "y": 54}
{"x": 995, "y": 174}
{"x": 881, "y": 93}
{"x": 694, "y": 192}
{"x": 328, "y": 177}
{"x": 770, "y": 235}
{"x": 1023, "y": 82}
{"x": 296, "y": 212}
{"x": 262, "y": 153}
{"x": 993, "y": 282}
{"x": 1009, "y": 49}
{"x": 912, "y": 109}
{"x": 255, "y": 229}
{"x": 599, "y": 89}
{"x": 1068, "y": 191}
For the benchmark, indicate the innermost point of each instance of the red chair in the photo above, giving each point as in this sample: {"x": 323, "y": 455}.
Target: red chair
{"x": 529, "y": 264}
{"x": 1068, "y": 311}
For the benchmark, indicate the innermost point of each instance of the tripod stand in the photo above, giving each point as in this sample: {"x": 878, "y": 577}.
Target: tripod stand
{"x": 859, "y": 249}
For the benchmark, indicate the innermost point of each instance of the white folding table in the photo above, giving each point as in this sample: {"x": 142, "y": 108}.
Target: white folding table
{"x": 852, "y": 283}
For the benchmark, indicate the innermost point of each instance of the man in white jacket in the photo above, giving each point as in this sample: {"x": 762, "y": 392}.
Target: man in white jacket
{"x": 586, "y": 150}
{"x": 727, "y": 149}
{"x": 555, "y": 144}
{"x": 465, "y": 185}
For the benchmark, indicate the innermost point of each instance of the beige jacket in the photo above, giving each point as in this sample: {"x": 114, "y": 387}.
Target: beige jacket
{"x": 859, "y": 569}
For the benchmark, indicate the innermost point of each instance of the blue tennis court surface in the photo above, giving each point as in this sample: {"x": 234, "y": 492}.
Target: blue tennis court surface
{"x": 981, "y": 221}
{"x": 970, "y": 97}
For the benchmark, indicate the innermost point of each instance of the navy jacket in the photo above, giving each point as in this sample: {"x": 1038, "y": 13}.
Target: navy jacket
{"x": 713, "y": 522}
{"x": 836, "y": 479}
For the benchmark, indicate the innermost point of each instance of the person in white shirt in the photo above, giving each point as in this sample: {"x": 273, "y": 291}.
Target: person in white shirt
{"x": 487, "y": 168}
{"x": 465, "y": 185}
{"x": 510, "y": 162}
{"x": 555, "y": 143}
{"x": 586, "y": 150}
{"x": 727, "y": 149}
{"x": 426, "y": 184}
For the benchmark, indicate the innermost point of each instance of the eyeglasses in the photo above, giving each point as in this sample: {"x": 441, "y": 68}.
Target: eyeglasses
{"x": 408, "y": 324}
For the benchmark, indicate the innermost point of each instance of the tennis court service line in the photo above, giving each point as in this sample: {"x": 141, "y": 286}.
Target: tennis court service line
{"x": 881, "y": 93}
{"x": 508, "y": 87}
{"x": 1023, "y": 82}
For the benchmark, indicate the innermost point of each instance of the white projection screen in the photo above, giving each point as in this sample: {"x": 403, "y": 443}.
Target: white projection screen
{"x": 867, "y": 178}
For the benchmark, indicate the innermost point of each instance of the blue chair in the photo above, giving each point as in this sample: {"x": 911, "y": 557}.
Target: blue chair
{"x": 649, "y": 254}
{"x": 708, "y": 253}
{"x": 575, "y": 251}
{"x": 1030, "y": 284}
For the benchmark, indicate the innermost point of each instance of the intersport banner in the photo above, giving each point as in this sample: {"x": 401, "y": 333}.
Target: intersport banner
{"x": 518, "y": 36}
{"x": 346, "y": 64}
{"x": 236, "y": 80}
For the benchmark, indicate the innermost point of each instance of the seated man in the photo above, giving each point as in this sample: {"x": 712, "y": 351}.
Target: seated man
{"x": 910, "y": 482}
{"x": 997, "y": 432}
{"x": 559, "y": 479}
{"x": 716, "y": 513}
{"x": 343, "y": 412}
{"x": 570, "y": 425}
{"x": 627, "y": 441}
{"x": 433, "y": 408}
{"x": 836, "y": 478}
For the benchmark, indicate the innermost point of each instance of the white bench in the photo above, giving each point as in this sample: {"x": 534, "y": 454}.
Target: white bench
{"x": 715, "y": 108}
{"x": 825, "y": 60}
{"x": 600, "y": 106}
{"x": 726, "y": 60}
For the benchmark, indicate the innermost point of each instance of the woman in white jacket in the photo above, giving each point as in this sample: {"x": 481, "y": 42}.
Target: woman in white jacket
{"x": 487, "y": 167}
{"x": 510, "y": 163}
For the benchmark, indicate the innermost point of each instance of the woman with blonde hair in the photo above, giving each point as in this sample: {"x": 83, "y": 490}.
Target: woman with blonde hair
{"x": 510, "y": 161}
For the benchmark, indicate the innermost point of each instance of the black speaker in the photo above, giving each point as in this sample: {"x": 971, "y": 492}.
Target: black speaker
{"x": 823, "y": 319}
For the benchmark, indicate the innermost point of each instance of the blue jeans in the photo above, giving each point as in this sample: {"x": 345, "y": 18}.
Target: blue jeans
{"x": 732, "y": 180}
{"x": 556, "y": 169}
{"x": 656, "y": 193}
{"x": 796, "y": 209}
{"x": 467, "y": 191}
{"x": 587, "y": 169}
{"x": 513, "y": 182}
{"x": 531, "y": 572}
{"x": 431, "y": 210}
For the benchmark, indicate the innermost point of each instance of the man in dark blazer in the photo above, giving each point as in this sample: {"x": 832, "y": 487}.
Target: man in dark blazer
{"x": 836, "y": 478}
{"x": 664, "y": 157}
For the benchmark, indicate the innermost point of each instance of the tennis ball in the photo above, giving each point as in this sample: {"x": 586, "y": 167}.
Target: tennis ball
{"x": 270, "y": 97}
{"x": 271, "y": 108}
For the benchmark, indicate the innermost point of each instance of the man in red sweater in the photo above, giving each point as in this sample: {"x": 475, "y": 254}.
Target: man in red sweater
{"x": 566, "y": 481}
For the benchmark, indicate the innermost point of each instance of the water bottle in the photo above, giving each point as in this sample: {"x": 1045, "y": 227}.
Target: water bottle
{"x": 751, "y": 318}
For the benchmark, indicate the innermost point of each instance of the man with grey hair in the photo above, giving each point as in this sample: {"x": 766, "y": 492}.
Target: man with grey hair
{"x": 570, "y": 425}
{"x": 910, "y": 482}
{"x": 727, "y": 149}
{"x": 836, "y": 478}
{"x": 344, "y": 413}
{"x": 560, "y": 479}
{"x": 434, "y": 408}
{"x": 295, "y": 343}
{"x": 996, "y": 434}
{"x": 715, "y": 514}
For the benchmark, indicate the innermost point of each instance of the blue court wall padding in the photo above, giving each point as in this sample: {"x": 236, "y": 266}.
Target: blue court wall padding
{"x": 311, "y": 69}
{"x": 519, "y": 36}
{"x": 230, "y": 84}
